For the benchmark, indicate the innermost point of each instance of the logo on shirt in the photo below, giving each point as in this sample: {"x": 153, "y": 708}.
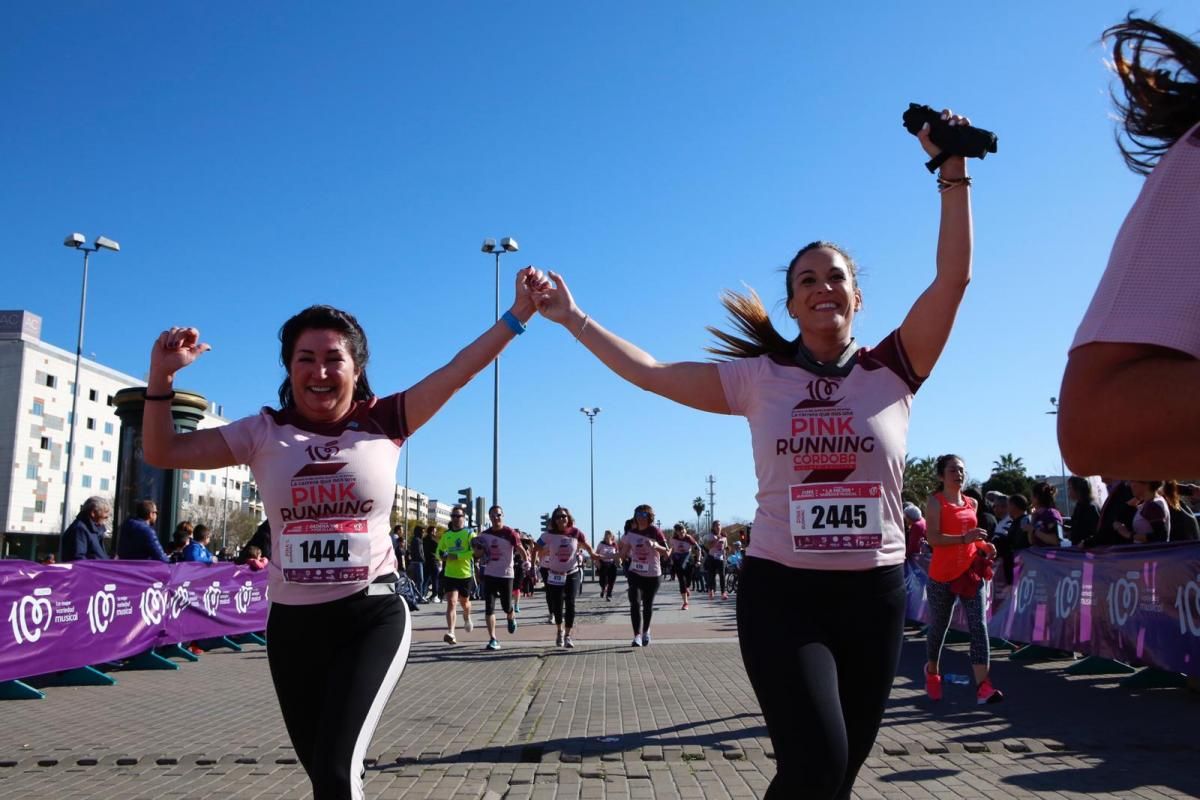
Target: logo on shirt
{"x": 323, "y": 452}
{"x": 821, "y": 390}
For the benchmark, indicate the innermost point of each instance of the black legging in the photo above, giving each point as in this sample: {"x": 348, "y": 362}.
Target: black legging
{"x": 715, "y": 567}
{"x": 494, "y": 587}
{"x": 642, "y": 589}
{"x": 334, "y": 665}
{"x": 608, "y": 578}
{"x": 557, "y": 596}
{"x": 683, "y": 569}
{"x": 822, "y": 677}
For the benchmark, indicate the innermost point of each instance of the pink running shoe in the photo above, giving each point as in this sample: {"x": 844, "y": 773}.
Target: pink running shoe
{"x": 685, "y": 605}
{"x": 933, "y": 686}
{"x": 986, "y": 693}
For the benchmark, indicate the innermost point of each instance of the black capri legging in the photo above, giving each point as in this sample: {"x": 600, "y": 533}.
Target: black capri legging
{"x": 683, "y": 570}
{"x": 493, "y": 586}
{"x": 715, "y": 567}
{"x": 642, "y": 589}
{"x": 334, "y": 665}
{"x": 564, "y": 594}
{"x": 822, "y": 677}
{"x": 608, "y": 578}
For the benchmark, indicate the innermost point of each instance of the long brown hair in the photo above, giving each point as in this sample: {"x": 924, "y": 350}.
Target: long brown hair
{"x": 1161, "y": 104}
{"x": 755, "y": 334}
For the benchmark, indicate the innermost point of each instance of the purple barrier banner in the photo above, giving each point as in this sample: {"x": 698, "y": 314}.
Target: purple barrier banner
{"x": 1137, "y": 603}
{"x": 63, "y": 616}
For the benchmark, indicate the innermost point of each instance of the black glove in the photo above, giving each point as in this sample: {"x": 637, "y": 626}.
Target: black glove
{"x": 954, "y": 140}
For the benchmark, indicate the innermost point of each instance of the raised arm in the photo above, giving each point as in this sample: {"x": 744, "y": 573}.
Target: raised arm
{"x": 162, "y": 445}
{"x": 927, "y": 327}
{"x": 689, "y": 383}
{"x": 424, "y": 399}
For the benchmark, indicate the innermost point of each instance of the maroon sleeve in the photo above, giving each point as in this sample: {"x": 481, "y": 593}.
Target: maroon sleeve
{"x": 890, "y": 353}
{"x": 579, "y": 535}
{"x": 388, "y": 416}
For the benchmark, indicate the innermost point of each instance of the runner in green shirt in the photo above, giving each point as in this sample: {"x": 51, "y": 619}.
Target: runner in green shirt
{"x": 454, "y": 551}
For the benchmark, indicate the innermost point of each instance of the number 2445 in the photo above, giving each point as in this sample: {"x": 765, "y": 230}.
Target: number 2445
{"x": 839, "y": 516}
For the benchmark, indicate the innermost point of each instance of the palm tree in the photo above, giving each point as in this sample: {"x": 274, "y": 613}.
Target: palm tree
{"x": 1008, "y": 463}
{"x": 920, "y": 478}
{"x": 698, "y": 506}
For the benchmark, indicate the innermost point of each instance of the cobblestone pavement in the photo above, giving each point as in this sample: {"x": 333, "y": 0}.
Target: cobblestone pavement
{"x": 605, "y": 720}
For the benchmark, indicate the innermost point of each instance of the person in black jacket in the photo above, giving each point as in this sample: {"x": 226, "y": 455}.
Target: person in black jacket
{"x": 416, "y": 559}
{"x": 1184, "y": 527}
{"x": 84, "y": 538}
{"x": 1085, "y": 514}
{"x": 1117, "y": 508}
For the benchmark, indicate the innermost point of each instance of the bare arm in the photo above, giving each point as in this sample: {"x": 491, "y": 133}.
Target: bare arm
{"x": 1104, "y": 386}
{"x": 162, "y": 445}
{"x": 428, "y": 395}
{"x": 689, "y": 383}
{"x": 926, "y": 329}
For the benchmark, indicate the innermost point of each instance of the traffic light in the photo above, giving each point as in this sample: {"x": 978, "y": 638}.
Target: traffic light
{"x": 545, "y": 523}
{"x": 466, "y": 499}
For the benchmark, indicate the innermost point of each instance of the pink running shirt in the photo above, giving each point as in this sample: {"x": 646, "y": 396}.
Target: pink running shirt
{"x": 560, "y": 550}
{"x": 644, "y": 560}
{"x": 328, "y": 491}
{"x": 829, "y": 456}
{"x": 1150, "y": 291}
{"x": 499, "y": 546}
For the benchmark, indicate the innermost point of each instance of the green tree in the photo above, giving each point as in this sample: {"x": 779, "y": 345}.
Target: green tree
{"x": 1008, "y": 476}
{"x": 920, "y": 479}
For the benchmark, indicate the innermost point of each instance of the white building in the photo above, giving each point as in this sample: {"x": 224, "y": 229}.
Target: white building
{"x": 438, "y": 513}
{"x": 410, "y": 504}
{"x": 36, "y": 393}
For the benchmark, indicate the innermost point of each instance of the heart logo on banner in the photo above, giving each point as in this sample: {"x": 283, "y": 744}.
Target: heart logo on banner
{"x": 1025, "y": 592}
{"x": 153, "y": 604}
{"x": 243, "y": 597}
{"x": 102, "y": 608}
{"x": 1066, "y": 596}
{"x": 212, "y": 596}
{"x": 180, "y": 600}
{"x": 1187, "y": 603}
{"x": 31, "y": 615}
{"x": 1122, "y": 601}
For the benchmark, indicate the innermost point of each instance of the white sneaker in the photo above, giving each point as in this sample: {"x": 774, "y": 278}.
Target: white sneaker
{"x": 637, "y": 641}
{"x": 567, "y": 641}
{"x": 468, "y": 625}
{"x": 646, "y": 639}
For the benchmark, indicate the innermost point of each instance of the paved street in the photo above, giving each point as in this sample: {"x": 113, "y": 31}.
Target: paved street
{"x": 603, "y": 721}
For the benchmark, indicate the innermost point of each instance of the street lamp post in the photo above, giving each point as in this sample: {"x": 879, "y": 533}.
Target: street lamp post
{"x": 77, "y": 241}
{"x": 591, "y": 413}
{"x": 507, "y": 245}
{"x": 1061, "y": 463}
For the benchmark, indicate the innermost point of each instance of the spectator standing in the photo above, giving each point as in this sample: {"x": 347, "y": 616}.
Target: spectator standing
{"x": 399, "y": 547}
{"x": 197, "y": 549}
{"x": 83, "y": 539}
{"x": 1152, "y": 520}
{"x": 416, "y": 559}
{"x": 984, "y": 516}
{"x": 1085, "y": 514}
{"x": 433, "y": 571}
{"x": 1118, "y": 509}
{"x": 138, "y": 540}
{"x": 1046, "y": 524}
{"x": 254, "y": 558}
{"x": 1184, "y": 527}
{"x": 914, "y": 531}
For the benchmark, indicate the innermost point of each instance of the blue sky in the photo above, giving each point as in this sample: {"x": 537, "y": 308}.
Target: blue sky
{"x": 255, "y": 158}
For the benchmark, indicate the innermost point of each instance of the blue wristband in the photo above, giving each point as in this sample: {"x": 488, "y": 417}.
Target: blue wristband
{"x": 513, "y": 323}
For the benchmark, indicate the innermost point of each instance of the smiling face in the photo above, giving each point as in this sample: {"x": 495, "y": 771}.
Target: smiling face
{"x": 824, "y": 295}
{"x": 323, "y": 374}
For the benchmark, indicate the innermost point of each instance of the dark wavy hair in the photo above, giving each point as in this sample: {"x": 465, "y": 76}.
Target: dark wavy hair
{"x": 1044, "y": 494}
{"x": 324, "y": 318}
{"x": 570, "y": 519}
{"x": 1083, "y": 489}
{"x": 754, "y": 333}
{"x": 1159, "y": 71}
